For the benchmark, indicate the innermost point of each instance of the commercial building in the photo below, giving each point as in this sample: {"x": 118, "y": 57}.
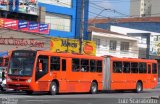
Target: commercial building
{"x": 144, "y": 8}
{"x": 63, "y": 16}
{"x": 13, "y": 40}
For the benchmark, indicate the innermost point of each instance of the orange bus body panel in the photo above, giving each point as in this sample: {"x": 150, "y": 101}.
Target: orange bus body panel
{"x": 124, "y": 81}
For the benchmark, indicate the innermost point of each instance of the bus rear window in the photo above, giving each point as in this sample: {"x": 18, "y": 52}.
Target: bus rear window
{"x": 154, "y": 68}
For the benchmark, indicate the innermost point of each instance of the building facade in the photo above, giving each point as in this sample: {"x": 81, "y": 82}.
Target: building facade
{"x": 16, "y": 40}
{"x": 65, "y": 17}
{"x": 135, "y": 27}
{"x": 114, "y": 44}
{"x": 144, "y": 8}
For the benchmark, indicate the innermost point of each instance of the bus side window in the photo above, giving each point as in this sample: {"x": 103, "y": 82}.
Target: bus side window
{"x": 134, "y": 67}
{"x": 84, "y": 65}
{"x": 142, "y": 67}
{"x": 75, "y": 65}
{"x": 55, "y": 63}
{"x": 92, "y": 66}
{"x": 99, "y": 66}
{"x": 126, "y": 67}
{"x": 149, "y": 69}
{"x": 117, "y": 67}
{"x": 154, "y": 68}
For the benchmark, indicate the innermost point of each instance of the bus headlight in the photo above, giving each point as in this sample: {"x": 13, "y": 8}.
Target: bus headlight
{"x": 9, "y": 79}
{"x": 29, "y": 80}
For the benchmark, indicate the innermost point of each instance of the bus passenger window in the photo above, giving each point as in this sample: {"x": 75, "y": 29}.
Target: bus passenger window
{"x": 63, "y": 65}
{"x": 154, "y": 68}
{"x": 149, "y": 69}
{"x": 75, "y": 65}
{"x": 92, "y": 66}
{"x": 126, "y": 67}
{"x": 142, "y": 68}
{"x": 117, "y": 67}
{"x": 55, "y": 63}
{"x": 134, "y": 67}
{"x": 84, "y": 65}
{"x": 99, "y": 66}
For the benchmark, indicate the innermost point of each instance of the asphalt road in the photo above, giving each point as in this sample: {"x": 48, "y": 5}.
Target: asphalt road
{"x": 147, "y": 97}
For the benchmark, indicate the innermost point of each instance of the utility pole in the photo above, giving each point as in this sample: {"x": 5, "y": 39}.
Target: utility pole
{"x": 81, "y": 31}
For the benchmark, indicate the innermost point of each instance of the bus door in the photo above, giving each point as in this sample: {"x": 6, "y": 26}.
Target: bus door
{"x": 118, "y": 79}
{"x": 42, "y": 74}
{"x": 149, "y": 67}
{"x": 63, "y": 78}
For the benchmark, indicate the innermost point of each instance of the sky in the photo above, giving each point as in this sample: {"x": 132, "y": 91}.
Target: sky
{"x": 121, "y": 7}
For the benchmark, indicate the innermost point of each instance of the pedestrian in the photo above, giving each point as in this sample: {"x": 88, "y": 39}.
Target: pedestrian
{"x": 3, "y": 74}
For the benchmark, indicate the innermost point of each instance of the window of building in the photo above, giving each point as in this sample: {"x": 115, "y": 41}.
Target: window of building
{"x": 55, "y": 63}
{"x": 142, "y": 68}
{"x": 113, "y": 45}
{"x": 58, "y": 22}
{"x": 92, "y": 66}
{"x": 126, "y": 67}
{"x": 154, "y": 68}
{"x": 124, "y": 46}
{"x": 75, "y": 65}
{"x": 134, "y": 67}
{"x": 99, "y": 66}
{"x": 62, "y": 3}
{"x": 117, "y": 67}
{"x": 84, "y": 65}
{"x": 97, "y": 42}
{"x": 105, "y": 43}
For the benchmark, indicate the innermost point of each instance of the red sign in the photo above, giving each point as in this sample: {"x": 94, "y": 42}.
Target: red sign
{"x": 22, "y": 25}
{"x": 9, "y": 23}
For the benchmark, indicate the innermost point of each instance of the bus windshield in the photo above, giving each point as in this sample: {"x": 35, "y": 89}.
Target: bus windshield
{"x": 21, "y": 64}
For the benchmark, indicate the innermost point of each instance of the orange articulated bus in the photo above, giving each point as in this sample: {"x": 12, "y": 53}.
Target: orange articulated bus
{"x": 33, "y": 71}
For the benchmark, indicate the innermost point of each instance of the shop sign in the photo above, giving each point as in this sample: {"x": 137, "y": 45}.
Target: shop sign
{"x": 22, "y": 25}
{"x": 72, "y": 46}
{"x": 21, "y": 42}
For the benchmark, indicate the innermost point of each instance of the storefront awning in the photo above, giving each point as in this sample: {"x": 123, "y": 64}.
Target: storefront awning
{"x": 3, "y": 54}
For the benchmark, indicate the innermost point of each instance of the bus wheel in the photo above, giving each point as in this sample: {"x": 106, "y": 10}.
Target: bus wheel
{"x": 53, "y": 88}
{"x": 29, "y": 92}
{"x": 139, "y": 87}
{"x": 94, "y": 88}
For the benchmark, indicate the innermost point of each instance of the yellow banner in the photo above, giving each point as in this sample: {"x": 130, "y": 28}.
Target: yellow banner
{"x": 72, "y": 46}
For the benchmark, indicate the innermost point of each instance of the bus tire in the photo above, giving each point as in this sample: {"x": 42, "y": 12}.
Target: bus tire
{"x": 53, "y": 88}
{"x": 139, "y": 87}
{"x": 29, "y": 92}
{"x": 94, "y": 88}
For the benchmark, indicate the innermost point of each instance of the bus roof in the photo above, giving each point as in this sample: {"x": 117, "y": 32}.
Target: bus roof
{"x": 133, "y": 59}
{"x": 69, "y": 55}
